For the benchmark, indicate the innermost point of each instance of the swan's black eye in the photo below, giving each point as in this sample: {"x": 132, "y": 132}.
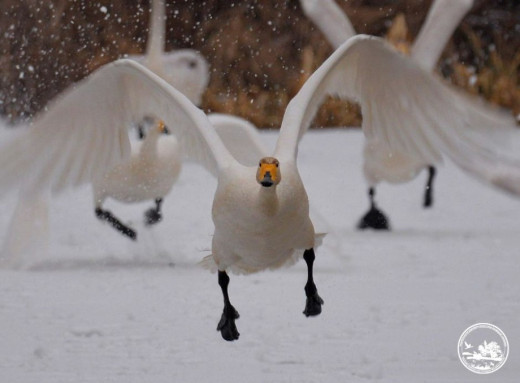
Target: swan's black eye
{"x": 277, "y": 164}
{"x": 259, "y": 164}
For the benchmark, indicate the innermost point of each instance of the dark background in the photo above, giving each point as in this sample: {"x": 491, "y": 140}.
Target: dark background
{"x": 258, "y": 50}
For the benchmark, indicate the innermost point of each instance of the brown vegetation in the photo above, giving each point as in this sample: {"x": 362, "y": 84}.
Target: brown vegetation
{"x": 260, "y": 52}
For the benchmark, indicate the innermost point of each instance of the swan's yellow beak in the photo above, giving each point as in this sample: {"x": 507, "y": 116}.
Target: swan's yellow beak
{"x": 268, "y": 173}
{"x": 161, "y": 128}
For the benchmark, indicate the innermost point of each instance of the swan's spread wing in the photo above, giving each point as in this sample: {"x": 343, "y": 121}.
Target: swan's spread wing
{"x": 77, "y": 138}
{"x": 240, "y": 137}
{"x": 84, "y": 134}
{"x": 330, "y": 19}
{"x": 442, "y": 19}
{"x": 404, "y": 107}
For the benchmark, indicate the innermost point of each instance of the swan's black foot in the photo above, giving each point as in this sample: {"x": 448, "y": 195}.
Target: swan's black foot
{"x": 313, "y": 305}
{"x": 428, "y": 192}
{"x": 227, "y": 326}
{"x": 428, "y": 200}
{"x": 106, "y": 215}
{"x": 374, "y": 219}
{"x": 152, "y": 217}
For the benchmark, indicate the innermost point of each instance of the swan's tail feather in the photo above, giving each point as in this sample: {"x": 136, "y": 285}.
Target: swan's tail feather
{"x": 208, "y": 263}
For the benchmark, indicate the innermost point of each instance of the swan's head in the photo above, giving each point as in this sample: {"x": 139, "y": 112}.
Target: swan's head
{"x": 161, "y": 128}
{"x": 188, "y": 72}
{"x": 268, "y": 173}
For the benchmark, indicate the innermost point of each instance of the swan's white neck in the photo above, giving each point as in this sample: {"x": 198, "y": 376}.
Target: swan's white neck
{"x": 149, "y": 146}
{"x": 268, "y": 200}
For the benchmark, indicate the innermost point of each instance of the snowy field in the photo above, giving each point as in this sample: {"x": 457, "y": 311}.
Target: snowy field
{"x": 98, "y": 308}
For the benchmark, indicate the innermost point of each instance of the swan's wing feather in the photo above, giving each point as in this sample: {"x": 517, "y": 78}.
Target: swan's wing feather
{"x": 441, "y": 21}
{"x": 330, "y": 19}
{"x": 51, "y": 153}
{"x": 149, "y": 94}
{"x": 241, "y": 138}
{"x": 404, "y": 107}
{"x": 83, "y": 133}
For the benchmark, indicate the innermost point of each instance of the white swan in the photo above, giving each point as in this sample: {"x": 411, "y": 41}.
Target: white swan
{"x": 156, "y": 162}
{"x": 261, "y": 213}
{"x": 184, "y": 69}
{"x": 380, "y": 164}
{"x": 149, "y": 174}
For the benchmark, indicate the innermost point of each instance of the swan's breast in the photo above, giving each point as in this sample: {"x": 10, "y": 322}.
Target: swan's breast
{"x": 258, "y": 227}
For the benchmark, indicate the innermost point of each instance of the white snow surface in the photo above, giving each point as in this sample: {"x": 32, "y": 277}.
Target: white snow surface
{"x": 99, "y": 308}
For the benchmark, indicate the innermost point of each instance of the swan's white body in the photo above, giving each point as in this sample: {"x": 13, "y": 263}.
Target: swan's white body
{"x": 257, "y": 229}
{"x": 149, "y": 174}
{"x": 382, "y": 163}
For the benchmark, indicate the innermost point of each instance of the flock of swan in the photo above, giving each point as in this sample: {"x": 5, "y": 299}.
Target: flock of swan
{"x": 411, "y": 120}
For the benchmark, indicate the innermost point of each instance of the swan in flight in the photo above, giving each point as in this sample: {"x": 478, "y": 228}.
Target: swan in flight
{"x": 261, "y": 212}
{"x": 380, "y": 165}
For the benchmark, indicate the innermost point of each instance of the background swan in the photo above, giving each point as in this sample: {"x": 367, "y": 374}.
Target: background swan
{"x": 381, "y": 164}
{"x": 185, "y": 69}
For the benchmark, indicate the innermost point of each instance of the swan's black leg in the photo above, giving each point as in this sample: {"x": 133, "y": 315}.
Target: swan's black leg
{"x": 140, "y": 131}
{"x": 374, "y": 218}
{"x": 154, "y": 215}
{"x": 314, "y": 301}
{"x": 227, "y": 326}
{"x": 105, "y": 215}
{"x": 428, "y": 193}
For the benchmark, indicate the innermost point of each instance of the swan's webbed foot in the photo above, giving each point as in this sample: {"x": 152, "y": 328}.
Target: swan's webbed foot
{"x": 374, "y": 219}
{"x": 313, "y": 304}
{"x": 154, "y": 215}
{"x": 314, "y": 301}
{"x": 227, "y": 326}
{"x": 106, "y": 215}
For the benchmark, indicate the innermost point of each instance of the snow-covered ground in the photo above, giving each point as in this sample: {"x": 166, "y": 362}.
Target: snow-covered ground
{"x": 98, "y": 308}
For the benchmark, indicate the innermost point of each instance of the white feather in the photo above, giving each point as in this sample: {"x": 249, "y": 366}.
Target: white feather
{"x": 405, "y": 110}
{"x": 383, "y": 162}
{"x": 84, "y": 132}
{"x": 331, "y": 20}
{"x": 441, "y": 21}
{"x": 240, "y": 137}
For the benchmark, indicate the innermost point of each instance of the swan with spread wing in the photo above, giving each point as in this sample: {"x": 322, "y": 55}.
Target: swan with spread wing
{"x": 261, "y": 212}
{"x": 380, "y": 164}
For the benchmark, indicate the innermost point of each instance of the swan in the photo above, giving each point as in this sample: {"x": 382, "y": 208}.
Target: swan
{"x": 380, "y": 164}
{"x": 184, "y": 69}
{"x": 155, "y": 165}
{"x": 149, "y": 174}
{"x": 261, "y": 213}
